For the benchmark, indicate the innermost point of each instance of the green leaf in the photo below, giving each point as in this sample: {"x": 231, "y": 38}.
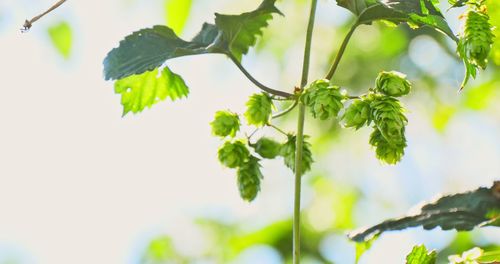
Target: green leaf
{"x": 147, "y": 49}
{"x": 241, "y": 31}
{"x": 149, "y": 88}
{"x": 468, "y": 257}
{"x": 414, "y": 12}
{"x": 62, "y": 38}
{"x": 177, "y": 13}
{"x": 463, "y": 212}
{"x": 490, "y": 256}
{"x": 362, "y": 247}
{"x": 420, "y": 255}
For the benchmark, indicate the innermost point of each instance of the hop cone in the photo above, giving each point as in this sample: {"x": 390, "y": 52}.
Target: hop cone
{"x": 267, "y": 148}
{"x": 288, "y": 153}
{"x": 259, "y": 109}
{"x": 393, "y": 84}
{"x": 225, "y": 124}
{"x": 388, "y": 152}
{"x": 323, "y": 100}
{"x": 358, "y": 114}
{"x": 388, "y": 116}
{"x": 477, "y": 38}
{"x": 233, "y": 154}
{"x": 249, "y": 177}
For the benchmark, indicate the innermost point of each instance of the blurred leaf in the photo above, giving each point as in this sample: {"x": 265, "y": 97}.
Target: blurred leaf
{"x": 147, "y": 89}
{"x": 177, "y": 13}
{"x": 362, "y": 247}
{"x": 161, "y": 250}
{"x": 268, "y": 235}
{"x": 494, "y": 12}
{"x": 490, "y": 256}
{"x": 463, "y": 212}
{"x": 468, "y": 257}
{"x": 241, "y": 31}
{"x": 481, "y": 97}
{"x": 415, "y": 12}
{"x": 420, "y": 255}
{"x": 442, "y": 116}
{"x": 61, "y": 37}
{"x": 148, "y": 49}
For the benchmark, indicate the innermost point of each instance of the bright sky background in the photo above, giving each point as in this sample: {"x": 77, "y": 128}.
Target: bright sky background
{"x": 79, "y": 184}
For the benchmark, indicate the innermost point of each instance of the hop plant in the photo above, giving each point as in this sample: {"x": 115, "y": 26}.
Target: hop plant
{"x": 388, "y": 116}
{"x": 267, "y": 148}
{"x": 358, "y": 114}
{"x": 225, "y": 124}
{"x": 388, "y": 152}
{"x": 392, "y": 83}
{"x": 477, "y": 38}
{"x": 259, "y": 109}
{"x": 288, "y": 153}
{"x": 249, "y": 176}
{"x": 323, "y": 100}
{"x": 233, "y": 154}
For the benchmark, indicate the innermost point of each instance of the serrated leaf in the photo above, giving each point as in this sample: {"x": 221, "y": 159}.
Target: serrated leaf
{"x": 241, "y": 31}
{"x": 149, "y": 88}
{"x": 62, "y": 38}
{"x": 177, "y": 13}
{"x": 413, "y": 12}
{"x": 147, "y": 49}
{"x": 420, "y": 255}
{"x": 463, "y": 212}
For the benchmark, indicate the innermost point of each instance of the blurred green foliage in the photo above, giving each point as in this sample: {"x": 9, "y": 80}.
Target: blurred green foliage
{"x": 62, "y": 38}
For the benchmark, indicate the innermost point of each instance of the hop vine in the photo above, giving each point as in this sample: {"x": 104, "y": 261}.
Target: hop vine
{"x": 288, "y": 151}
{"x": 324, "y": 100}
{"x": 225, "y": 124}
{"x": 259, "y": 109}
{"x": 233, "y": 154}
{"x": 267, "y": 148}
{"x": 249, "y": 177}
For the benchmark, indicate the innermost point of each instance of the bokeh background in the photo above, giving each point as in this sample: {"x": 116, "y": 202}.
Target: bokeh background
{"x": 81, "y": 184}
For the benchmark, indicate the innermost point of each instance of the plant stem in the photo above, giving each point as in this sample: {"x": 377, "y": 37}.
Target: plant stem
{"x": 277, "y": 129}
{"x": 333, "y": 69}
{"x": 29, "y": 23}
{"x": 300, "y": 135}
{"x": 286, "y": 111}
{"x": 257, "y": 83}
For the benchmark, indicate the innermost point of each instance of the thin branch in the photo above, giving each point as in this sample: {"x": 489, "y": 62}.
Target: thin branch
{"x": 29, "y": 23}
{"x": 277, "y": 129}
{"x": 333, "y": 69}
{"x": 257, "y": 83}
{"x": 286, "y": 111}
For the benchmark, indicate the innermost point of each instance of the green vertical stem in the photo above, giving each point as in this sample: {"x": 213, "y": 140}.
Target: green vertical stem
{"x": 300, "y": 136}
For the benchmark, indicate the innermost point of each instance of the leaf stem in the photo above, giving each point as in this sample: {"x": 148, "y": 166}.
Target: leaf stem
{"x": 277, "y": 129}
{"x": 256, "y": 82}
{"x": 29, "y": 23}
{"x": 300, "y": 135}
{"x": 286, "y": 111}
{"x": 342, "y": 49}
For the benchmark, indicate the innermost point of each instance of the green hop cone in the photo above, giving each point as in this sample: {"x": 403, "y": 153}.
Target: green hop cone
{"x": 392, "y": 83}
{"x": 233, "y": 154}
{"x": 388, "y": 152}
{"x": 225, "y": 124}
{"x": 477, "y": 38}
{"x": 324, "y": 100}
{"x": 288, "y": 153}
{"x": 388, "y": 116}
{"x": 259, "y": 109}
{"x": 357, "y": 114}
{"x": 267, "y": 148}
{"x": 249, "y": 177}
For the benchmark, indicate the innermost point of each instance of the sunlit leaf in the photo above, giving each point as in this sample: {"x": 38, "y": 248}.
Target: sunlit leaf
{"x": 177, "y": 14}
{"x": 442, "y": 116}
{"x": 62, "y": 38}
{"x": 480, "y": 97}
{"x": 362, "y": 247}
{"x": 463, "y": 212}
{"x": 149, "y": 88}
{"x": 420, "y": 255}
{"x": 492, "y": 256}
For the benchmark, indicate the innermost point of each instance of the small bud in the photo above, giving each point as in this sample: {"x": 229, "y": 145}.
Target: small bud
{"x": 388, "y": 115}
{"x": 324, "y": 100}
{"x": 259, "y": 109}
{"x": 357, "y": 114}
{"x": 267, "y": 148}
{"x": 393, "y": 84}
{"x": 249, "y": 177}
{"x": 233, "y": 154}
{"x": 477, "y": 38}
{"x": 288, "y": 151}
{"x": 225, "y": 124}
